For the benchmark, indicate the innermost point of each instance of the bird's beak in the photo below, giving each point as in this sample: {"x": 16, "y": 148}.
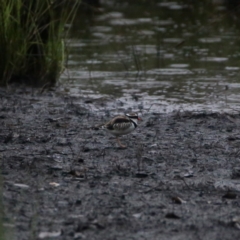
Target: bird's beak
{"x": 139, "y": 119}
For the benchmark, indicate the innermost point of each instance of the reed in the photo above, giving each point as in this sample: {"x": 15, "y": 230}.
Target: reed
{"x": 32, "y": 40}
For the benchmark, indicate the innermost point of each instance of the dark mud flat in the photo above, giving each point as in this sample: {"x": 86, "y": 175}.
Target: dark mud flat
{"x": 179, "y": 178}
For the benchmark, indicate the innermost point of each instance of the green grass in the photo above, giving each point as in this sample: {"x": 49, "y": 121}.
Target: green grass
{"x": 1, "y": 205}
{"x": 32, "y": 40}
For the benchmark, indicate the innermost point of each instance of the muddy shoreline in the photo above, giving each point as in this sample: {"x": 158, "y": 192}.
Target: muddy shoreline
{"x": 61, "y": 179}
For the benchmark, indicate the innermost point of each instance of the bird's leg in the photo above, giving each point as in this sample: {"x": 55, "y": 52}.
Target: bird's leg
{"x": 120, "y": 144}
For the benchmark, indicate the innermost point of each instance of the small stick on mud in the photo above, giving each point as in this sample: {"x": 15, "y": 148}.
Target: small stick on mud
{"x": 182, "y": 178}
{"x": 69, "y": 145}
{"x": 102, "y": 153}
{"x": 139, "y": 155}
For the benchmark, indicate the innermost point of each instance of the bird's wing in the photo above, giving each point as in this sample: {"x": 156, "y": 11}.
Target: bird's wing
{"x": 119, "y": 122}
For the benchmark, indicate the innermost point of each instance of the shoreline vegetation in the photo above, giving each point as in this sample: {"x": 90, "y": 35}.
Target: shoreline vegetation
{"x": 32, "y": 37}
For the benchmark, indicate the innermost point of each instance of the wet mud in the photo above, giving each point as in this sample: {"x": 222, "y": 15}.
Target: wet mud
{"x": 179, "y": 178}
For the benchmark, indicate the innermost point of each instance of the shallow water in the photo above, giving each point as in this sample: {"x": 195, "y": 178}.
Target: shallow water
{"x": 156, "y": 55}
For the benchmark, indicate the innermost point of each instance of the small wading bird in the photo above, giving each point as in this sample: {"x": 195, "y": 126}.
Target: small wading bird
{"x": 122, "y": 125}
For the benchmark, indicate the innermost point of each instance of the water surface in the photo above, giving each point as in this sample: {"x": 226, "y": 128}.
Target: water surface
{"x": 158, "y": 55}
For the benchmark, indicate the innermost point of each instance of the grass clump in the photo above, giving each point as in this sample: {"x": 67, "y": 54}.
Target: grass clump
{"x": 31, "y": 40}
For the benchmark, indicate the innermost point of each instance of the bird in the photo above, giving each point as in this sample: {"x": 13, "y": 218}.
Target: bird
{"x": 122, "y": 125}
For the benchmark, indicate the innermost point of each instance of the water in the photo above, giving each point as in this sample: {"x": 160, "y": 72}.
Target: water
{"x": 158, "y": 55}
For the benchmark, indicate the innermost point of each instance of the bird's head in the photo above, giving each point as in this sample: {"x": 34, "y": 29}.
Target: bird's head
{"x": 133, "y": 116}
